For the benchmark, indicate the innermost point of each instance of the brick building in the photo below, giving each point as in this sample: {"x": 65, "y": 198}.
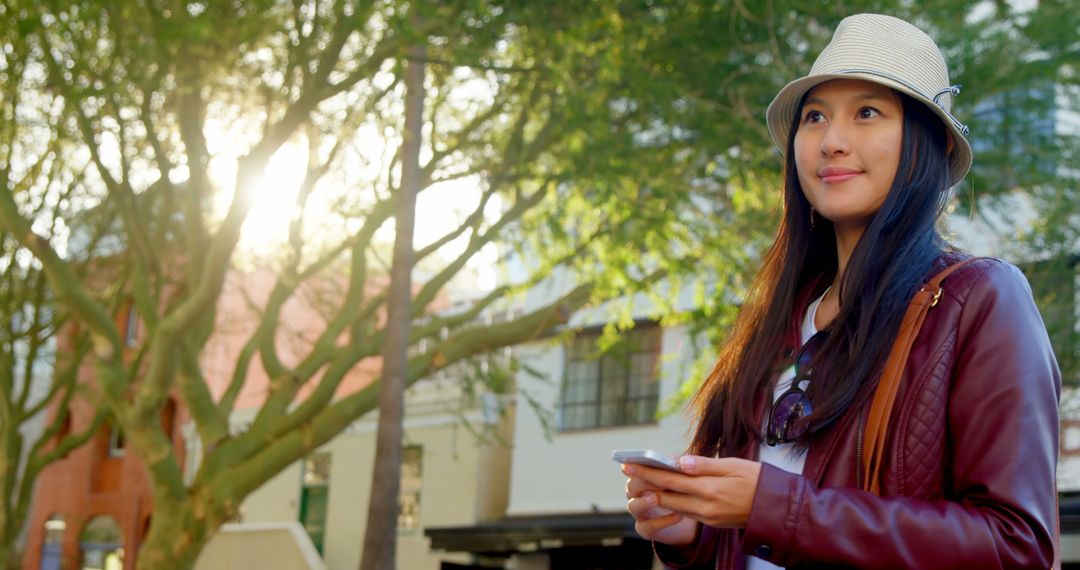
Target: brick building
{"x": 92, "y": 508}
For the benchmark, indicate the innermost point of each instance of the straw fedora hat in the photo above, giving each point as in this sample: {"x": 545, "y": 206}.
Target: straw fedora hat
{"x": 885, "y": 50}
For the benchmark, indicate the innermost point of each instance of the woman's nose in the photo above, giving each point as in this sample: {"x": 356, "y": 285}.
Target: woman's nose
{"x": 836, "y": 140}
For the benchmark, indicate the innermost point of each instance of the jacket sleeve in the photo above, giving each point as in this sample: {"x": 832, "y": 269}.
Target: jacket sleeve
{"x": 1000, "y": 507}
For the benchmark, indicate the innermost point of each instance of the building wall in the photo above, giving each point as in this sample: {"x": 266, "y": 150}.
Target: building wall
{"x": 1068, "y": 468}
{"x": 572, "y": 471}
{"x": 464, "y": 481}
{"x": 32, "y": 428}
{"x": 278, "y": 499}
{"x": 282, "y": 546}
{"x": 88, "y": 483}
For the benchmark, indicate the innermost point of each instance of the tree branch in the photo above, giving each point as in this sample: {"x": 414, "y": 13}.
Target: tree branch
{"x": 64, "y": 283}
{"x": 311, "y": 424}
{"x": 432, "y": 287}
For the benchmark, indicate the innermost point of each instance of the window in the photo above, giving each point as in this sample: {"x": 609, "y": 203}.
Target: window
{"x": 314, "y": 497}
{"x": 1014, "y": 129}
{"x": 54, "y": 529}
{"x": 317, "y": 470}
{"x": 64, "y": 416}
{"x": 116, "y": 441}
{"x": 618, "y": 387}
{"x": 131, "y": 329}
{"x": 108, "y": 473}
{"x": 101, "y": 545}
{"x": 1070, "y": 438}
{"x": 168, "y": 418}
{"x": 412, "y": 479}
{"x": 52, "y": 545}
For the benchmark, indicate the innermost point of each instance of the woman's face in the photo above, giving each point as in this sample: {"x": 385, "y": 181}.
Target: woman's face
{"x": 847, "y": 148}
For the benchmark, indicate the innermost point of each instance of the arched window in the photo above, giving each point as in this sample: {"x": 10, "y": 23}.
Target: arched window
{"x": 101, "y": 545}
{"x": 51, "y": 546}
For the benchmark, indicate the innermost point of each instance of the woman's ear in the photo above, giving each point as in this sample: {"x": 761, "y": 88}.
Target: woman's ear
{"x": 950, "y": 143}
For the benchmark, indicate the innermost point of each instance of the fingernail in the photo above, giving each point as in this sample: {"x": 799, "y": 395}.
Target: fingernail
{"x": 628, "y": 469}
{"x": 687, "y": 462}
{"x": 650, "y": 499}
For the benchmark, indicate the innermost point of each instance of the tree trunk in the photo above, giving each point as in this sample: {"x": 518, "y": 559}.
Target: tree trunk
{"x": 180, "y": 529}
{"x": 173, "y": 543}
{"x": 380, "y": 537}
{"x": 10, "y": 557}
{"x": 10, "y": 551}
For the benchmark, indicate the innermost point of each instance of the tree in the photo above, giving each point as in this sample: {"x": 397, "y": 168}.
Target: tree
{"x": 152, "y": 90}
{"x": 34, "y": 375}
{"x": 29, "y": 321}
{"x": 611, "y": 145}
{"x": 380, "y": 534}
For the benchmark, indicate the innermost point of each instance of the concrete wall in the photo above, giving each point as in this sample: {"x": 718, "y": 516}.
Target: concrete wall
{"x": 282, "y": 546}
{"x": 464, "y": 481}
{"x": 572, "y": 471}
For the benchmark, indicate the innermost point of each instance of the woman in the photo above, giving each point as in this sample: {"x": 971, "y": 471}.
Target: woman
{"x": 774, "y": 472}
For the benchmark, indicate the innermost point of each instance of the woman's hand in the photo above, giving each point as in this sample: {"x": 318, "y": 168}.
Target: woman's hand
{"x": 654, "y": 522}
{"x": 716, "y": 492}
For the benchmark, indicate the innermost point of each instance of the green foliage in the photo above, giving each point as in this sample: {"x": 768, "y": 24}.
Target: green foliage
{"x": 1054, "y": 285}
{"x": 618, "y": 147}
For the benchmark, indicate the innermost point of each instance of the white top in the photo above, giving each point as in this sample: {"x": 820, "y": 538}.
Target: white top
{"x": 780, "y": 455}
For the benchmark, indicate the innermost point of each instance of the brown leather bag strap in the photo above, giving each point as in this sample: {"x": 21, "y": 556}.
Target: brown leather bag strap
{"x": 877, "y": 422}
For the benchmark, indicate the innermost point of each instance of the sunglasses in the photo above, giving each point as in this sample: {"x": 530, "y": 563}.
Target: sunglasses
{"x": 794, "y": 404}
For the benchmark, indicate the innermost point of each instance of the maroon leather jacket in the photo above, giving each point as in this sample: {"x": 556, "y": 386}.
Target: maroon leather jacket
{"x": 969, "y": 471}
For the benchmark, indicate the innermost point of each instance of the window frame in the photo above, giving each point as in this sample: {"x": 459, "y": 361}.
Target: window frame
{"x": 131, "y": 327}
{"x": 413, "y": 487}
{"x": 117, "y": 446}
{"x": 625, "y": 403}
{"x": 316, "y": 490}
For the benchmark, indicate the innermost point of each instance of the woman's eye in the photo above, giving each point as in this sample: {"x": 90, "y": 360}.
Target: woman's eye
{"x": 813, "y": 117}
{"x": 868, "y": 112}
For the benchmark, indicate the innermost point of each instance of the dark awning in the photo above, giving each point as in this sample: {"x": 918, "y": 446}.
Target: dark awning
{"x": 535, "y": 533}
{"x": 1069, "y": 513}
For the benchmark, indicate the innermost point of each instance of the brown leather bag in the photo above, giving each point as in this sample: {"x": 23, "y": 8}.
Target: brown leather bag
{"x": 877, "y": 422}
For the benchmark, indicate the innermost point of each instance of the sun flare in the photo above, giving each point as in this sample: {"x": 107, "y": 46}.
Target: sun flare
{"x": 265, "y": 233}
{"x": 274, "y": 199}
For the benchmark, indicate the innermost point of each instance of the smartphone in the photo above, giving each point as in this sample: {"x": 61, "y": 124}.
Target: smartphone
{"x": 645, "y": 457}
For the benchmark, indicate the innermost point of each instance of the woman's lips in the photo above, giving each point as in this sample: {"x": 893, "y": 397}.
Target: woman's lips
{"x": 834, "y": 174}
{"x": 831, "y": 179}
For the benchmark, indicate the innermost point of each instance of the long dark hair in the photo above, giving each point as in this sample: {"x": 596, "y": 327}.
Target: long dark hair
{"x": 892, "y": 258}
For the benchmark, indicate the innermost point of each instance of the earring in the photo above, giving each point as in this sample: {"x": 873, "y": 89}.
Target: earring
{"x": 811, "y": 219}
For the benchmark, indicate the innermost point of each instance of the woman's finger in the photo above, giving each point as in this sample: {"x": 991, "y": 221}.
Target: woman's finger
{"x": 703, "y": 478}
{"x": 649, "y": 528}
{"x": 636, "y": 486}
{"x": 716, "y": 466}
{"x": 661, "y": 478}
{"x": 638, "y": 507}
{"x": 716, "y": 500}
{"x": 646, "y": 507}
{"x": 693, "y": 507}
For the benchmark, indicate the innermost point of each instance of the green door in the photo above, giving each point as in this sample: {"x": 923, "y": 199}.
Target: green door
{"x": 313, "y": 513}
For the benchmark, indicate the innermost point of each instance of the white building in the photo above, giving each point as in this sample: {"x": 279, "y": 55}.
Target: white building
{"x": 567, "y": 503}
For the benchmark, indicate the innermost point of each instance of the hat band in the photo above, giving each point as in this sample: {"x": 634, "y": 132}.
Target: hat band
{"x": 955, "y": 89}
